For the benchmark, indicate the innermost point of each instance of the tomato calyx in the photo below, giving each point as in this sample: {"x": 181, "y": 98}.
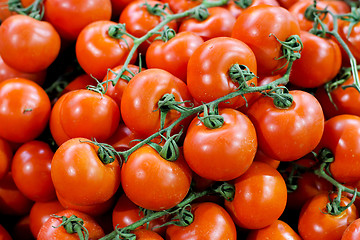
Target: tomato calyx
{"x": 312, "y": 13}
{"x": 241, "y": 74}
{"x": 166, "y": 34}
{"x": 334, "y": 208}
{"x": 35, "y": 10}
{"x": 243, "y": 3}
{"x": 170, "y": 150}
{"x": 107, "y": 154}
{"x": 73, "y": 224}
{"x": 211, "y": 118}
{"x": 157, "y": 10}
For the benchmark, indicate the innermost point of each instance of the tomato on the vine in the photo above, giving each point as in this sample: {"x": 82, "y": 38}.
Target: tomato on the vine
{"x": 352, "y": 232}
{"x": 278, "y": 230}
{"x": 6, "y": 155}
{"x": 237, "y": 7}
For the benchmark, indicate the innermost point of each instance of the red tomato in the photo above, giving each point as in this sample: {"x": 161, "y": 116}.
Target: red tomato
{"x": 138, "y": 106}
{"x": 37, "y": 42}
{"x": 69, "y": 17}
{"x": 5, "y": 157}
{"x": 278, "y": 230}
{"x": 288, "y": 134}
{"x": 80, "y": 177}
{"x": 231, "y": 147}
{"x": 260, "y": 197}
{"x": 320, "y": 62}
{"x": 50, "y": 229}
{"x": 287, "y": 3}
{"x": 40, "y": 212}
{"x": 80, "y": 82}
{"x": 273, "y": 20}
{"x": 219, "y": 24}
{"x": 341, "y": 7}
{"x": 208, "y": 70}
{"x": 118, "y": 6}
{"x": 152, "y": 182}
{"x": 173, "y": 55}
{"x": 210, "y": 222}
{"x": 24, "y": 110}
{"x": 352, "y": 232}
{"x": 4, "y": 234}
{"x": 31, "y": 168}
{"x": 21, "y": 230}
{"x": 260, "y": 156}
{"x": 144, "y": 234}
{"x": 352, "y": 40}
{"x": 123, "y": 138}
{"x": 178, "y": 6}
{"x": 236, "y": 10}
{"x": 97, "y": 51}
{"x": 316, "y": 223}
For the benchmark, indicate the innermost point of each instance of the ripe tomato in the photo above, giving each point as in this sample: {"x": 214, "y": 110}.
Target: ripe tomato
{"x": 118, "y": 6}
{"x": 69, "y": 17}
{"x": 173, "y": 55}
{"x": 40, "y": 212}
{"x": 144, "y": 234}
{"x": 22, "y": 230}
{"x": 278, "y": 230}
{"x": 138, "y": 107}
{"x": 288, "y": 134}
{"x": 211, "y": 221}
{"x": 208, "y": 70}
{"x": 24, "y": 110}
{"x": 287, "y": 3}
{"x": 219, "y": 24}
{"x": 97, "y": 51}
{"x": 316, "y": 223}
{"x": 31, "y": 168}
{"x": 152, "y": 182}
{"x": 37, "y": 42}
{"x": 352, "y": 40}
{"x": 263, "y": 191}
{"x": 50, "y": 229}
{"x": 4, "y": 234}
{"x": 320, "y": 62}
{"x": 236, "y": 10}
{"x": 80, "y": 82}
{"x": 260, "y": 156}
{"x": 231, "y": 147}
{"x": 80, "y": 177}
{"x": 178, "y": 6}
{"x": 123, "y": 138}
{"x": 5, "y": 158}
{"x": 352, "y": 232}
{"x": 341, "y": 7}
{"x": 273, "y": 20}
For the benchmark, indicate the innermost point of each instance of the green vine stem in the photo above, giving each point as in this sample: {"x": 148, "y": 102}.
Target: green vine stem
{"x": 73, "y": 224}
{"x": 35, "y": 10}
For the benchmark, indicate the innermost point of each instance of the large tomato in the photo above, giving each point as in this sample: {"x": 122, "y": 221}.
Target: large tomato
{"x": 260, "y": 197}
{"x": 80, "y": 177}
{"x": 37, "y": 42}
{"x": 288, "y": 134}
{"x": 273, "y": 20}
{"x": 352, "y": 40}
{"x": 24, "y": 110}
{"x": 231, "y": 147}
{"x": 352, "y": 232}
{"x": 208, "y": 70}
{"x": 278, "y": 230}
{"x": 235, "y": 8}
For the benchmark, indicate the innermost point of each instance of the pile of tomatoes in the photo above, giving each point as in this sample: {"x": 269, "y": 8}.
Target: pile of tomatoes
{"x": 179, "y": 119}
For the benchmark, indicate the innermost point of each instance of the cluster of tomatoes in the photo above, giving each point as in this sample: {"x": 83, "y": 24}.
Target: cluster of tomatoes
{"x": 122, "y": 119}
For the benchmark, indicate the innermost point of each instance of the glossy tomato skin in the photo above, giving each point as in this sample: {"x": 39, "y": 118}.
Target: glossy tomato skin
{"x": 352, "y": 40}
{"x": 25, "y": 110}
{"x": 80, "y": 82}
{"x": 154, "y": 183}
{"x": 208, "y": 70}
{"x": 231, "y": 147}
{"x": 278, "y": 230}
{"x": 123, "y": 138}
{"x": 352, "y": 232}
{"x": 219, "y": 24}
{"x": 173, "y": 55}
{"x": 138, "y": 106}
{"x": 36, "y": 41}
{"x": 211, "y": 221}
{"x": 288, "y": 134}
{"x": 97, "y": 51}
{"x": 49, "y": 229}
{"x": 178, "y": 6}
{"x": 263, "y": 191}
{"x": 80, "y": 177}
{"x": 69, "y": 17}
{"x": 315, "y": 223}
{"x": 320, "y": 62}
{"x": 31, "y": 168}
{"x": 273, "y": 20}
{"x": 341, "y": 134}
{"x": 4, "y": 234}
{"x": 237, "y": 10}
{"x": 6, "y": 155}
{"x": 144, "y": 234}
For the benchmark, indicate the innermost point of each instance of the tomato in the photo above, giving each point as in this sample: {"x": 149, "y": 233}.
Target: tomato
{"x": 4, "y": 234}
{"x": 80, "y": 177}
{"x": 287, "y": 3}
{"x": 50, "y": 229}
{"x": 219, "y": 23}
{"x": 139, "y": 21}
{"x": 341, "y": 137}
{"x": 31, "y": 168}
{"x": 97, "y": 51}
{"x": 152, "y": 182}
{"x": 352, "y": 40}
{"x": 178, "y": 6}
{"x": 208, "y": 70}
{"x": 278, "y": 230}
{"x": 263, "y": 191}
{"x": 123, "y": 139}
{"x": 320, "y": 62}
{"x": 96, "y": 116}
{"x": 7, "y": 72}
{"x": 236, "y": 10}
{"x": 260, "y": 156}
{"x": 24, "y": 110}
{"x": 339, "y": 6}
{"x": 316, "y": 223}
{"x": 40, "y": 212}
{"x": 5, "y": 158}
{"x": 80, "y": 82}
{"x": 21, "y": 229}
{"x": 36, "y": 41}
{"x": 69, "y": 17}
{"x": 13, "y": 202}
{"x": 138, "y": 106}
{"x": 288, "y": 134}
{"x": 144, "y": 234}
{"x": 118, "y": 6}
{"x": 211, "y": 221}
{"x": 231, "y": 147}
{"x": 352, "y": 232}
{"x": 173, "y": 55}
{"x": 273, "y": 20}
